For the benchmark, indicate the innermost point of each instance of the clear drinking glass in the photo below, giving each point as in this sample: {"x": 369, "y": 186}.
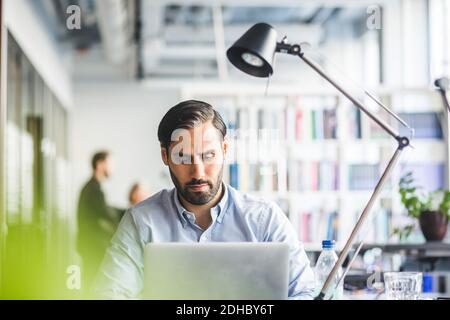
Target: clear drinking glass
{"x": 403, "y": 285}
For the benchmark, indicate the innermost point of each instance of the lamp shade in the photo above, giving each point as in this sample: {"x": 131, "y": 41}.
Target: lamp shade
{"x": 253, "y": 52}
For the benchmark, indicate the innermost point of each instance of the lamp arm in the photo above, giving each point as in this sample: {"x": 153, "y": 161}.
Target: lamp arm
{"x": 372, "y": 116}
{"x": 444, "y": 98}
{"x": 442, "y": 85}
{"x": 345, "y": 251}
{"x": 402, "y": 143}
{"x": 295, "y": 49}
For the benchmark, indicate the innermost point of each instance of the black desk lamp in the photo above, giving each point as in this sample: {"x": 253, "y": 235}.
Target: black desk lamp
{"x": 253, "y": 53}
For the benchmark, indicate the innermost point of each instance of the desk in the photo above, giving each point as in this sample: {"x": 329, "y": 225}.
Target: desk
{"x": 420, "y": 250}
{"x": 373, "y": 296}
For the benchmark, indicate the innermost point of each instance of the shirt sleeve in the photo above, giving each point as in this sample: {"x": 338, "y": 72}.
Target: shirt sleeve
{"x": 278, "y": 228}
{"x": 121, "y": 273}
{"x": 107, "y": 213}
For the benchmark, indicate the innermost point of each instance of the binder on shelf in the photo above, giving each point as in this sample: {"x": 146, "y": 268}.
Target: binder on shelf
{"x": 426, "y": 125}
{"x": 234, "y": 175}
{"x": 330, "y": 124}
{"x": 304, "y": 227}
{"x": 332, "y": 225}
{"x": 299, "y": 125}
{"x": 354, "y": 125}
{"x": 363, "y": 176}
{"x": 315, "y": 226}
{"x": 429, "y": 176}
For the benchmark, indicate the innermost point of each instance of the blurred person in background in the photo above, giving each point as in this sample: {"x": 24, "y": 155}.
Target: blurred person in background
{"x": 138, "y": 193}
{"x": 97, "y": 221}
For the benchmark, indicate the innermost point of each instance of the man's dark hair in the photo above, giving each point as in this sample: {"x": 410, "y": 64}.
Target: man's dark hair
{"x": 187, "y": 115}
{"x": 98, "y": 157}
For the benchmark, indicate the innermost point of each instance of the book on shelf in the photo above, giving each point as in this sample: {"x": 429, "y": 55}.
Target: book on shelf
{"x": 303, "y": 125}
{"x": 383, "y": 228}
{"x": 242, "y": 119}
{"x": 266, "y": 178}
{"x": 283, "y": 203}
{"x": 304, "y": 232}
{"x": 354, "y": 123}
{"x": 332, "y": 225}
{"x": 426, "y": 125}
{"x": 328, "y": 175}
{"x": 330, "y": 124}
{"x": 316, "y": 124}
{"x": 377, "y": 132}
{"x": 228, "y": 114}
{"x": 253, "y": 183}
{"x": 363, "y": 176}
{"x": 258, "y": 177}
{"x": 378, "y": 228}
{"x": 313, "y": 176}
{"x": 299, "y": 129}
{"x": 429, "y": 176}
{"x": 315, "y": 226}
{"x": 293, "y": 122}
{"x": 234, "y": 175}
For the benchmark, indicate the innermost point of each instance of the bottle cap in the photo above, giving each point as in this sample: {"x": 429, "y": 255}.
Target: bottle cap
{"x": 328, "y": 244}
{"x": 427, "y": 283}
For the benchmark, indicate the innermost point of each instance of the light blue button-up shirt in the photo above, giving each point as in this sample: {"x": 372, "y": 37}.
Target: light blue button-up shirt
{"x": 161, "y": 218}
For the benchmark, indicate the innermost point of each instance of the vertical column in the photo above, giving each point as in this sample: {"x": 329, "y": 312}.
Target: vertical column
{"x": 415, "y": 44}
{"x": 447, "y": 144}
{"x": 2, "y": 140}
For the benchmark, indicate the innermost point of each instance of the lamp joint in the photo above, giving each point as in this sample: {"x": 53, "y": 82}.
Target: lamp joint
{"x": 285, "y": 47}
{"x": 402, "y": 142}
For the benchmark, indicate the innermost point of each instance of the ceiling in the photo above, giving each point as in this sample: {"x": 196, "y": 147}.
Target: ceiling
{"x": 188, "y": 39}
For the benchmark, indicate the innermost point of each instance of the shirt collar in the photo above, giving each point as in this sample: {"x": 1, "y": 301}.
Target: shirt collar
{"x": 217, "y": 212}
{"x": 222, "y": 204}
{"x": 179, "y": 207}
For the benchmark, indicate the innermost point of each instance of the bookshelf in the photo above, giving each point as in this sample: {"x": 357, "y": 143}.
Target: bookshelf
{"x": 319, "y": 158}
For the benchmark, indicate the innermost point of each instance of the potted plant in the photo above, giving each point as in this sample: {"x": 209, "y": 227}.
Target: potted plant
{"x": 432, "y": 209}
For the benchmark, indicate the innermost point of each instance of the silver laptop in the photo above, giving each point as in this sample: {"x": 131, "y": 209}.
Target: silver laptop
{"x": 216, "y": 271}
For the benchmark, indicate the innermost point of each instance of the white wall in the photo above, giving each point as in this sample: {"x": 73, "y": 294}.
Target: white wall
{"x": 122, "y": 117}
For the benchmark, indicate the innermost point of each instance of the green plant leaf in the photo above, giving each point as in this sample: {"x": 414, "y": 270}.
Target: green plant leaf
{"x": 404, "y": 232}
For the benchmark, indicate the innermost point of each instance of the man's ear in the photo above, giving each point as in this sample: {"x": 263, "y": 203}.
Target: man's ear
{"x": 225, "y": 146}
{"x": 164, "y": 156}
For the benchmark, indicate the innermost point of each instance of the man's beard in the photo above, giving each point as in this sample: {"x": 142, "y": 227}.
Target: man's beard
{"x": 201, "y": 197}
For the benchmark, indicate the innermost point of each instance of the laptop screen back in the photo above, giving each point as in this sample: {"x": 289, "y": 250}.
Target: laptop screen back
{"x": 216, "y": 271}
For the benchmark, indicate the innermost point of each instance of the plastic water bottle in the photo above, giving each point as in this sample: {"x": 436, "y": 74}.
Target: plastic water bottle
{"x": 324, "y": 265}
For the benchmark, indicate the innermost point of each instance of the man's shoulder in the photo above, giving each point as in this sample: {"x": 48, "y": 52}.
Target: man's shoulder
{"x": 89, "y": 192}
{"x": 157, "y": 212}
{"x": 248, "y": 203}
{"x": 157, "y": 205}
{"x": 159, "y": 199}
{"x": 90, "y": 186}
